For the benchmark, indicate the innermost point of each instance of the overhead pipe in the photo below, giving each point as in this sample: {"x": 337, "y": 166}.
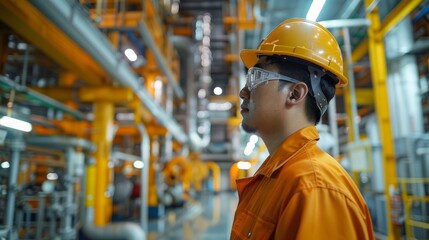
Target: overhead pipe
{"x": 162, "y": 63}
{"x": 62, "y": 143}
{"x": 70, "y": 18}
{"x": 7, "y": 84}
{"x": 183, "y": 45}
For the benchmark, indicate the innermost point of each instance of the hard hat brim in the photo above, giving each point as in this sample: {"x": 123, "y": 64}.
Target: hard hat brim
{"x": 250, "y": 58}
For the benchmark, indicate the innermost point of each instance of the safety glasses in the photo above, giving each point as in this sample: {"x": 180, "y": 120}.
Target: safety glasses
{"x": 257, "y": 76}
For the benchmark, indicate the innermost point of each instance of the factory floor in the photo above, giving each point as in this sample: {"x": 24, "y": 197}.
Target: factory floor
{"x": 209, "y": 217}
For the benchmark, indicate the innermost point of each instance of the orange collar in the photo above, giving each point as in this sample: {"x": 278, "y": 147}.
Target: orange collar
{"x": 288, "y": 149}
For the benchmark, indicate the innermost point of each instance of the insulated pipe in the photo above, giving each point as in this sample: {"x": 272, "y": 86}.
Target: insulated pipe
{"x": 70, "y": 155}
{"x": 126, "y": 230}
{"x": 71, "y": 19}
{"x": 16, "y": 145}
{"x": 62, "y": 143}
{"x": 145, "y": 153}
{"x": 162, "y": 63}
{"x": 348, "y": 50}
{"x": 183, "y": 45}
{"x": 333, "y": 125}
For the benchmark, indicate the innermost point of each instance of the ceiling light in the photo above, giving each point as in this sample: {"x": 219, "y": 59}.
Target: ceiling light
{"x": 15, "y": 124}
{"x": 5, "y": 165}
{"x": 138, "y": 164}
{"x": 131, "y": 55}
{"x": 217, "y": 91}
{"x": 52, "y": 176}
{"x": 243, "y": 165}
{"x": 315, "y": 8}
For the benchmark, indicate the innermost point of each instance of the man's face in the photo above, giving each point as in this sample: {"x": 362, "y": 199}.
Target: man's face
{"x": 262, "y": 107}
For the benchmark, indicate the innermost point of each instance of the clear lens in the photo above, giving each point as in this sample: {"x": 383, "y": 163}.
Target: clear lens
{"x": 257, "y": 76}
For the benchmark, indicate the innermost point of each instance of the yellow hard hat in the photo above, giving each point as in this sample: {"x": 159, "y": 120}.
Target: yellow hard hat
{"x": 304, "y": 39}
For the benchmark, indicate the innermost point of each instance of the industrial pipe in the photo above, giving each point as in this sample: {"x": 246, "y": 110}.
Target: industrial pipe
{"x": 144, "y": 191}
{"x": 7, "y": 84}
{"x": 62, "y": 143}
{"x": 70, "y": 155}
{"x": 162, "y": 63}
{"x": 16, "y": 146}
{"x": 126, "y": 230}
{"x": 182, "y": 45}
{"x": 70, "y": 19}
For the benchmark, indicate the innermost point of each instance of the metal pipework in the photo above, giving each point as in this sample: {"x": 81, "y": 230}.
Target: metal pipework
{"x": 70, "y": 19}
{"x": 62, "y": 143}
{"x": 126, "y": 230}
{"x": 7, "y": 84}
{"x": 16, "y": 145}
{"x": 67, "y": 228}
{"x": 144, "y": 173}
{"x": 145, "y": 153}
{"x": 162, "y": 63}
{"x": 182, "y": 44}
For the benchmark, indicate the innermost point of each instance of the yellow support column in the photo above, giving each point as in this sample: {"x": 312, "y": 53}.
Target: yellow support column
{"x": 379, "y": 75}
{"x": 102, "y": 136}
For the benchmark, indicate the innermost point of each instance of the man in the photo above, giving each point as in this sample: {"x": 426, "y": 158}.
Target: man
{"x": 299, "y": 192}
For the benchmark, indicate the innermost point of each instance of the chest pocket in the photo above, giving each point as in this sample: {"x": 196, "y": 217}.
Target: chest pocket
{"x": 249, "y": 226}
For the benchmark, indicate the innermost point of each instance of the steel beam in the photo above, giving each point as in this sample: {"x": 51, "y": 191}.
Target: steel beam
{"x": 379, "y": 77}
{"x": 402, "y": 10}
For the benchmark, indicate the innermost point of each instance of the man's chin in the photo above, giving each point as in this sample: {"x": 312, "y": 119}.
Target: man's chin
{"x": 247, "y": 128}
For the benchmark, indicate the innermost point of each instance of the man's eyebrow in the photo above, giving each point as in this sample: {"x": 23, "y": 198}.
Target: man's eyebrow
{"x": 259, "y": 65}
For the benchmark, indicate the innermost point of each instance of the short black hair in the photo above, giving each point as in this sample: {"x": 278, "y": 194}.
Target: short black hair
{"x": 298, "y": 69}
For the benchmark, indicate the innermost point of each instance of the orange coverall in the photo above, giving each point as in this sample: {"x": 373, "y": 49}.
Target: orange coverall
{"x": 300, "y": 192}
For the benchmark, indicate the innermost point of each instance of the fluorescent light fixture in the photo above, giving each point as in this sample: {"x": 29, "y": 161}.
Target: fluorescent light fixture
{"x": 15, "y": 124}
{"x": 131, "y": 55}
{"x": 219, "y": 106}
{"x": 315, "y": 8}
{"x": 244, "y": 165}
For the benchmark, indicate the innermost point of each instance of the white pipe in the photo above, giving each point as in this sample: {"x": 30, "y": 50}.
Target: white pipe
{"x": 183, "y": 45}
{"x": 333, "y": 125}
{"x": 126, "y": 230}
{"x": 145, "y": 154}
{"x": 16, "y": 145}
{"x": 348, "y": 50}
{"x": 69, "y": 180}
{"x": 62, "y": 143}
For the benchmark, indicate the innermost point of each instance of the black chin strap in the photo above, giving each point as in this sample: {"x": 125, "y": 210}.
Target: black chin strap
{"x": 321, "y": 101}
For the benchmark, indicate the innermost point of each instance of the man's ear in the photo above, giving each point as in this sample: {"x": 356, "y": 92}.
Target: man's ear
{"x": 297, "y": 93}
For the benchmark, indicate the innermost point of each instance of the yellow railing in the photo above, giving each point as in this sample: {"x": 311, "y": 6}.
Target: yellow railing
{"x": 408, "y": 200}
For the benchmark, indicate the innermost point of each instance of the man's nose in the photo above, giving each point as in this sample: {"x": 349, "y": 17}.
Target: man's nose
{"x": 244, "y": 93}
